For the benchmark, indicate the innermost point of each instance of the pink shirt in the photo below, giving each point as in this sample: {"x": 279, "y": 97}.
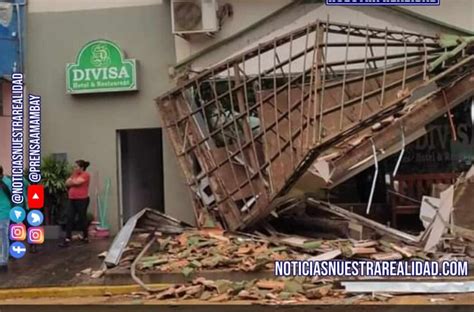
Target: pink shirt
{"x": 80, "y": 191}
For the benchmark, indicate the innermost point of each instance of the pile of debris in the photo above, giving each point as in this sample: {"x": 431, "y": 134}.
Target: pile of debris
{"x": 276, "y": 291}
{"x": 154, "y": 242}
{"x": 212, "y": 249}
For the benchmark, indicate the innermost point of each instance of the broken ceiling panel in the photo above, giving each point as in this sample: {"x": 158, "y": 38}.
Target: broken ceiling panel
{"x": 408, "y": 126}
{"x": 244, "y": 131}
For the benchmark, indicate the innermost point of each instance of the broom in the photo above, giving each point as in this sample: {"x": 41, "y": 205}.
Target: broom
{"x": 103, "y": 200}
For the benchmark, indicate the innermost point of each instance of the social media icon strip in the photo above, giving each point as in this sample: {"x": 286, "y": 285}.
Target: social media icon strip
{"x": 17, "y": 232}
{"x": 35, "y": 218}
{"x": 17, "y": 214}
{"x": 36, "y": 235}
{"x": 17, "y": 250}
{"x": 35, "y": 196}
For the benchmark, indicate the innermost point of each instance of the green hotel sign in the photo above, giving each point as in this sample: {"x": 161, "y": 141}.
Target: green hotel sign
{"x": 101, "y": 67}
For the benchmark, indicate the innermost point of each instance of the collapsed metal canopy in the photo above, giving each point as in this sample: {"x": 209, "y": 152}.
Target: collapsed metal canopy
{"x": 355, "y": 154}
{"x": 246, "y": 129}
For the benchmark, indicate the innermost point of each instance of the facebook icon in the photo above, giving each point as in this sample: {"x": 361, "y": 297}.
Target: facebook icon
{"x": 17, "y": 250}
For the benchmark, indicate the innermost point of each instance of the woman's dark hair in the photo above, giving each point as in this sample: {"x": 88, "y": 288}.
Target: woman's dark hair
{"x": 83, "y": 164}
{"x": 1, "y": 171}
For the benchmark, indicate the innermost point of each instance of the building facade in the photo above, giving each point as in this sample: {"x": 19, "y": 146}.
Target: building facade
{"x": 118, "y": 132}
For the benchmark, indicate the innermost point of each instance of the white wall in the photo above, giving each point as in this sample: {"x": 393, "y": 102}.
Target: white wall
{"x": 459, "y": 13}
{"x": 299, "y": 16}
{"x": 303, "y": 15}
{"x": 246, "y": 12}
{"x": 39, "y": 6}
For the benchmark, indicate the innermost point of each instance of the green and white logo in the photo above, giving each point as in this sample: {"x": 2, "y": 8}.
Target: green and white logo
{"x": 101, "y": 67}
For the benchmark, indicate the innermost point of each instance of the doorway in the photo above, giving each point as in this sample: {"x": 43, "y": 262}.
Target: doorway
{"x": 141, "y": 170}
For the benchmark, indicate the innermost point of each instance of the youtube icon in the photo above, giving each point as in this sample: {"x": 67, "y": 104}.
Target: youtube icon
{"x": 35, "y": 196}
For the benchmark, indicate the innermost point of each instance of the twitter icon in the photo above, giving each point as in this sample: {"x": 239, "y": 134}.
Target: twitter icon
{"x": 17, "y": 214}
{"x": 35, "y": 218}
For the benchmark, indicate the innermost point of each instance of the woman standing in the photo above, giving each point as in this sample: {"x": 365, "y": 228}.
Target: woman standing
{"x": 78, "y": 195}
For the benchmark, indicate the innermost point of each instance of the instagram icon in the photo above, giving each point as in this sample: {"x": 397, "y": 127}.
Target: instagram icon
{"x": 17, "y": 232}
{"x": 36, "y": 235}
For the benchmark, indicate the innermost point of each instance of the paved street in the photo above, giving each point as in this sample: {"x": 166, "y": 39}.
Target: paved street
{"x": 412, "y": 303}
{"x": 53, "y": 266}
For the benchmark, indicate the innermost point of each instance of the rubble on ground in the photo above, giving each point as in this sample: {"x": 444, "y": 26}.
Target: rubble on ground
{"x": 212, "y": 249}
{"x": 274, "y": 291}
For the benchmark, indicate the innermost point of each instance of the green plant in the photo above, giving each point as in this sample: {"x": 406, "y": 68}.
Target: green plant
{"x": 54, "y": 174}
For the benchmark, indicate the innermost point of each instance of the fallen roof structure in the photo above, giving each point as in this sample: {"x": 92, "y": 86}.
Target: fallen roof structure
{"x": 147, "y": 220}
{"x": 244, "y": 131}
{"x": 355, "y": 154}
{"x": 384, "y": 230}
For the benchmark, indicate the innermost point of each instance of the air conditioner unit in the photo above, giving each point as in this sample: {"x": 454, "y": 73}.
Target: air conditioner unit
{"x": 194, "y": 16}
